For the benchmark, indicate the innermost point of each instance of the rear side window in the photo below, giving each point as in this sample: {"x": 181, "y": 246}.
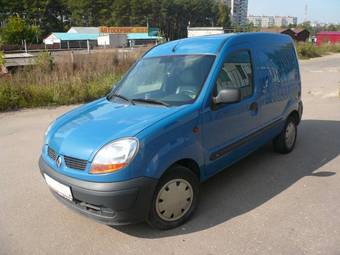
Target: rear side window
{"x": 237, "y": 73}
{"x": 281, "y": 64}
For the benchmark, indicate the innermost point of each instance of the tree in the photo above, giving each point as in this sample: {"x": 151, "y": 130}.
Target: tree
{"x": 90, "y": 12}
{"x": 121, "y": 13}
{"x": 55, "y": 13}
{"x": 140, "y": 12}
{"x": 223, "y": 16}
{"x": 171, "y": 16}
{"x": 250, "y": 27}
{"x": 16, "y": 30}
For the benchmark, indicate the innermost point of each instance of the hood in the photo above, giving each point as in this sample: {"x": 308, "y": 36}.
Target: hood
{"x": 81, "y": 132}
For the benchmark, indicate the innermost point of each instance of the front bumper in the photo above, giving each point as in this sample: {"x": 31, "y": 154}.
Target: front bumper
{"x": 116, "y": 203}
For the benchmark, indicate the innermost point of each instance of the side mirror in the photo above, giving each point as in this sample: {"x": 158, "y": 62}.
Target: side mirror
{"x": 226, "y": 96}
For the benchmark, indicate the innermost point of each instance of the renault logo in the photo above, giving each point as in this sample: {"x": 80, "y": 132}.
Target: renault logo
{"x": 58, "y": 161}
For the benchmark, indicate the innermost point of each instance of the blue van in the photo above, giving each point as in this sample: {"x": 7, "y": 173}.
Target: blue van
{"x": 184, "y": 112}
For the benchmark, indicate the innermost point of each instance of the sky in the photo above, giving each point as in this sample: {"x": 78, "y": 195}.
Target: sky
{"x": 318, "y": 10}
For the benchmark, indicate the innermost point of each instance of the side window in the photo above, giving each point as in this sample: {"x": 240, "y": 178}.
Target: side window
{"x": 237, "y": 73}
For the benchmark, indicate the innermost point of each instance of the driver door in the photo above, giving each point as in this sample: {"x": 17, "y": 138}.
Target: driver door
{"x": 227, "y": 126}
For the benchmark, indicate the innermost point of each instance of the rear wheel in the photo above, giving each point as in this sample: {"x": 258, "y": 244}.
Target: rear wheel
{"x": 175, "y": 198}
{"x": 285, "y": 142}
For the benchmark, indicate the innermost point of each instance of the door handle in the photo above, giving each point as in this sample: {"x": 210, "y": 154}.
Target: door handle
{"x": 253, "y": 107}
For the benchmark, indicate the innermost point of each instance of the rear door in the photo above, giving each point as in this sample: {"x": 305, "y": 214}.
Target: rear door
{"x": 226, "y": 127}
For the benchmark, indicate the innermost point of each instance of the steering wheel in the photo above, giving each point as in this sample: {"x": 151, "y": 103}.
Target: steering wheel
{"x": 188, "y": 91}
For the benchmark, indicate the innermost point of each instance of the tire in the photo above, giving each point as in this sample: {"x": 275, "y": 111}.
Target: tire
{"x": 284, "y": 143}
{"x": 175, "y": 198}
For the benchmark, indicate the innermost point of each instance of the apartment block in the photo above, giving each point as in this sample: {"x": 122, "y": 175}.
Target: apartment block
{"x": 238, "y": 11}
{"x": 272, "y": 21}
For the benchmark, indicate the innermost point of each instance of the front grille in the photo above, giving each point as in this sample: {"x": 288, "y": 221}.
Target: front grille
{"x": 51, "y": 153}
{"x": 70, "y": 162}
{"x": 75, "y": 163}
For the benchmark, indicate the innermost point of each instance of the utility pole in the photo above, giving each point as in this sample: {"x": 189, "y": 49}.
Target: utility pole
{"x": 88, "y": 46}
{"x": 211, "y": 20}
{"x": 306, "y": 11}
{"x": 25, "y": 44}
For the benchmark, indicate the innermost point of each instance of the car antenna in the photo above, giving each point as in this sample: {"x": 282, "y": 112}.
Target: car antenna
{"x": 174, "y": 48}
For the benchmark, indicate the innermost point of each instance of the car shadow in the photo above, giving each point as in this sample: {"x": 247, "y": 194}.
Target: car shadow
{"x": 256, "y": 179}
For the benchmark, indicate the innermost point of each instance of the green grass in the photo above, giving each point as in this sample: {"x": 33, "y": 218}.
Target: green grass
{"x": 63, "y": 93}
{"x": 308, "y": 50}
{"x": 85, "y": 79}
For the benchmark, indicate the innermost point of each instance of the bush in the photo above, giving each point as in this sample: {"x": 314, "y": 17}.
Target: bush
{"x": 17, "y": 29}
{"x": 63, "y": 93}
{"x": 309, "y": 50}
{"x": 2, "y": 59}
{"x": 87, "y": 77}
{"x": 44, "y": 61}
{"x": 331, "y": 48}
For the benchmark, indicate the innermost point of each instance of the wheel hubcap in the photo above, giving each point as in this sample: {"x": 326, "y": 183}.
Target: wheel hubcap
{"x": 290, "y": 134}
{"x": 174, "y": 200}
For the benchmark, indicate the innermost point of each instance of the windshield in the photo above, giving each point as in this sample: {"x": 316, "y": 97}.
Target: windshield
{"x": 167, "y": 80}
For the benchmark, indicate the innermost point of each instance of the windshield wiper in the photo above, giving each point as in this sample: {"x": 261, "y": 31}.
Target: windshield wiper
{"x": 122, "y": 97}
{"x": 150, "y": 101}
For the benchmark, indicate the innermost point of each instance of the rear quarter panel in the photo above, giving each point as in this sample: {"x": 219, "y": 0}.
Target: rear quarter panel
{"x": 279, "y": 80}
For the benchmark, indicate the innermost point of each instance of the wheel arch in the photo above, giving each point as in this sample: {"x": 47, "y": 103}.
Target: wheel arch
{"x": 295, "y": 114}
{"x": 189, "y": 163}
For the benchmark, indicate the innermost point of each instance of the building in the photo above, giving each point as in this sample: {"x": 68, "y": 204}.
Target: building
{"x": 114, "y": 37}
{"x": 137, "y": 39}
{"x": 84, "y": 30}
{"x": 285, "y": 31}
{"x": 300, "y": 35}
{"x": 112, "y": 40}
{"x": 288, "y": 20}
{"x": 71, "y": 40}
{"x": 199, "y": 31}
{"x": 238, "y": 11}
{"x": 263, "y": 21}
{"x": 258, "y": 21}
{"x": 328, "y": 37}
{"x": 135, "y": 36}
{"x": 272, "y": 21}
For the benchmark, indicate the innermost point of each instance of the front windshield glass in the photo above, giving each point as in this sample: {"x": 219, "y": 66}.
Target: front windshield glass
{"x": 171, "y": 80}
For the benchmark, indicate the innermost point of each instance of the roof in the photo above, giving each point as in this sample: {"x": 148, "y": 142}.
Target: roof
{"x": 329, "y": 33}
{"x": 212, "y": 44}
{"x": 141, "y": 36}
{"x": 205, "y": 28}
{"x": 74, "y": 36}
{"x": 84, "y": 30}
{"x": 275, "y": 30}
{"x": 299, "y": 30}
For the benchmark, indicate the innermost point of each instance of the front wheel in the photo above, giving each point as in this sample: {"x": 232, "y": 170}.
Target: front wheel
{"x": 175, "y": 198}
{"x": 285, "y": 142}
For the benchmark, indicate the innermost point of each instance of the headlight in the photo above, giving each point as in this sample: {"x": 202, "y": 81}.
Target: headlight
{"x": 114, "y": 156}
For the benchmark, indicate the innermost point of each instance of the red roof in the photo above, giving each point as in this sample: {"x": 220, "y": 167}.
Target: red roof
{"x": 329, "y": 33}
{"x": 298, "y": 30}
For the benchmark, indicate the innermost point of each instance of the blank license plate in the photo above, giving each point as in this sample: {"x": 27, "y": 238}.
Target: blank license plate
{"x": 61, "y": 189}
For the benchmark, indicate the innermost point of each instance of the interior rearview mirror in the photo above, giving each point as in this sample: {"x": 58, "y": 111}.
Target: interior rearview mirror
{"x": 226, "y": 96}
